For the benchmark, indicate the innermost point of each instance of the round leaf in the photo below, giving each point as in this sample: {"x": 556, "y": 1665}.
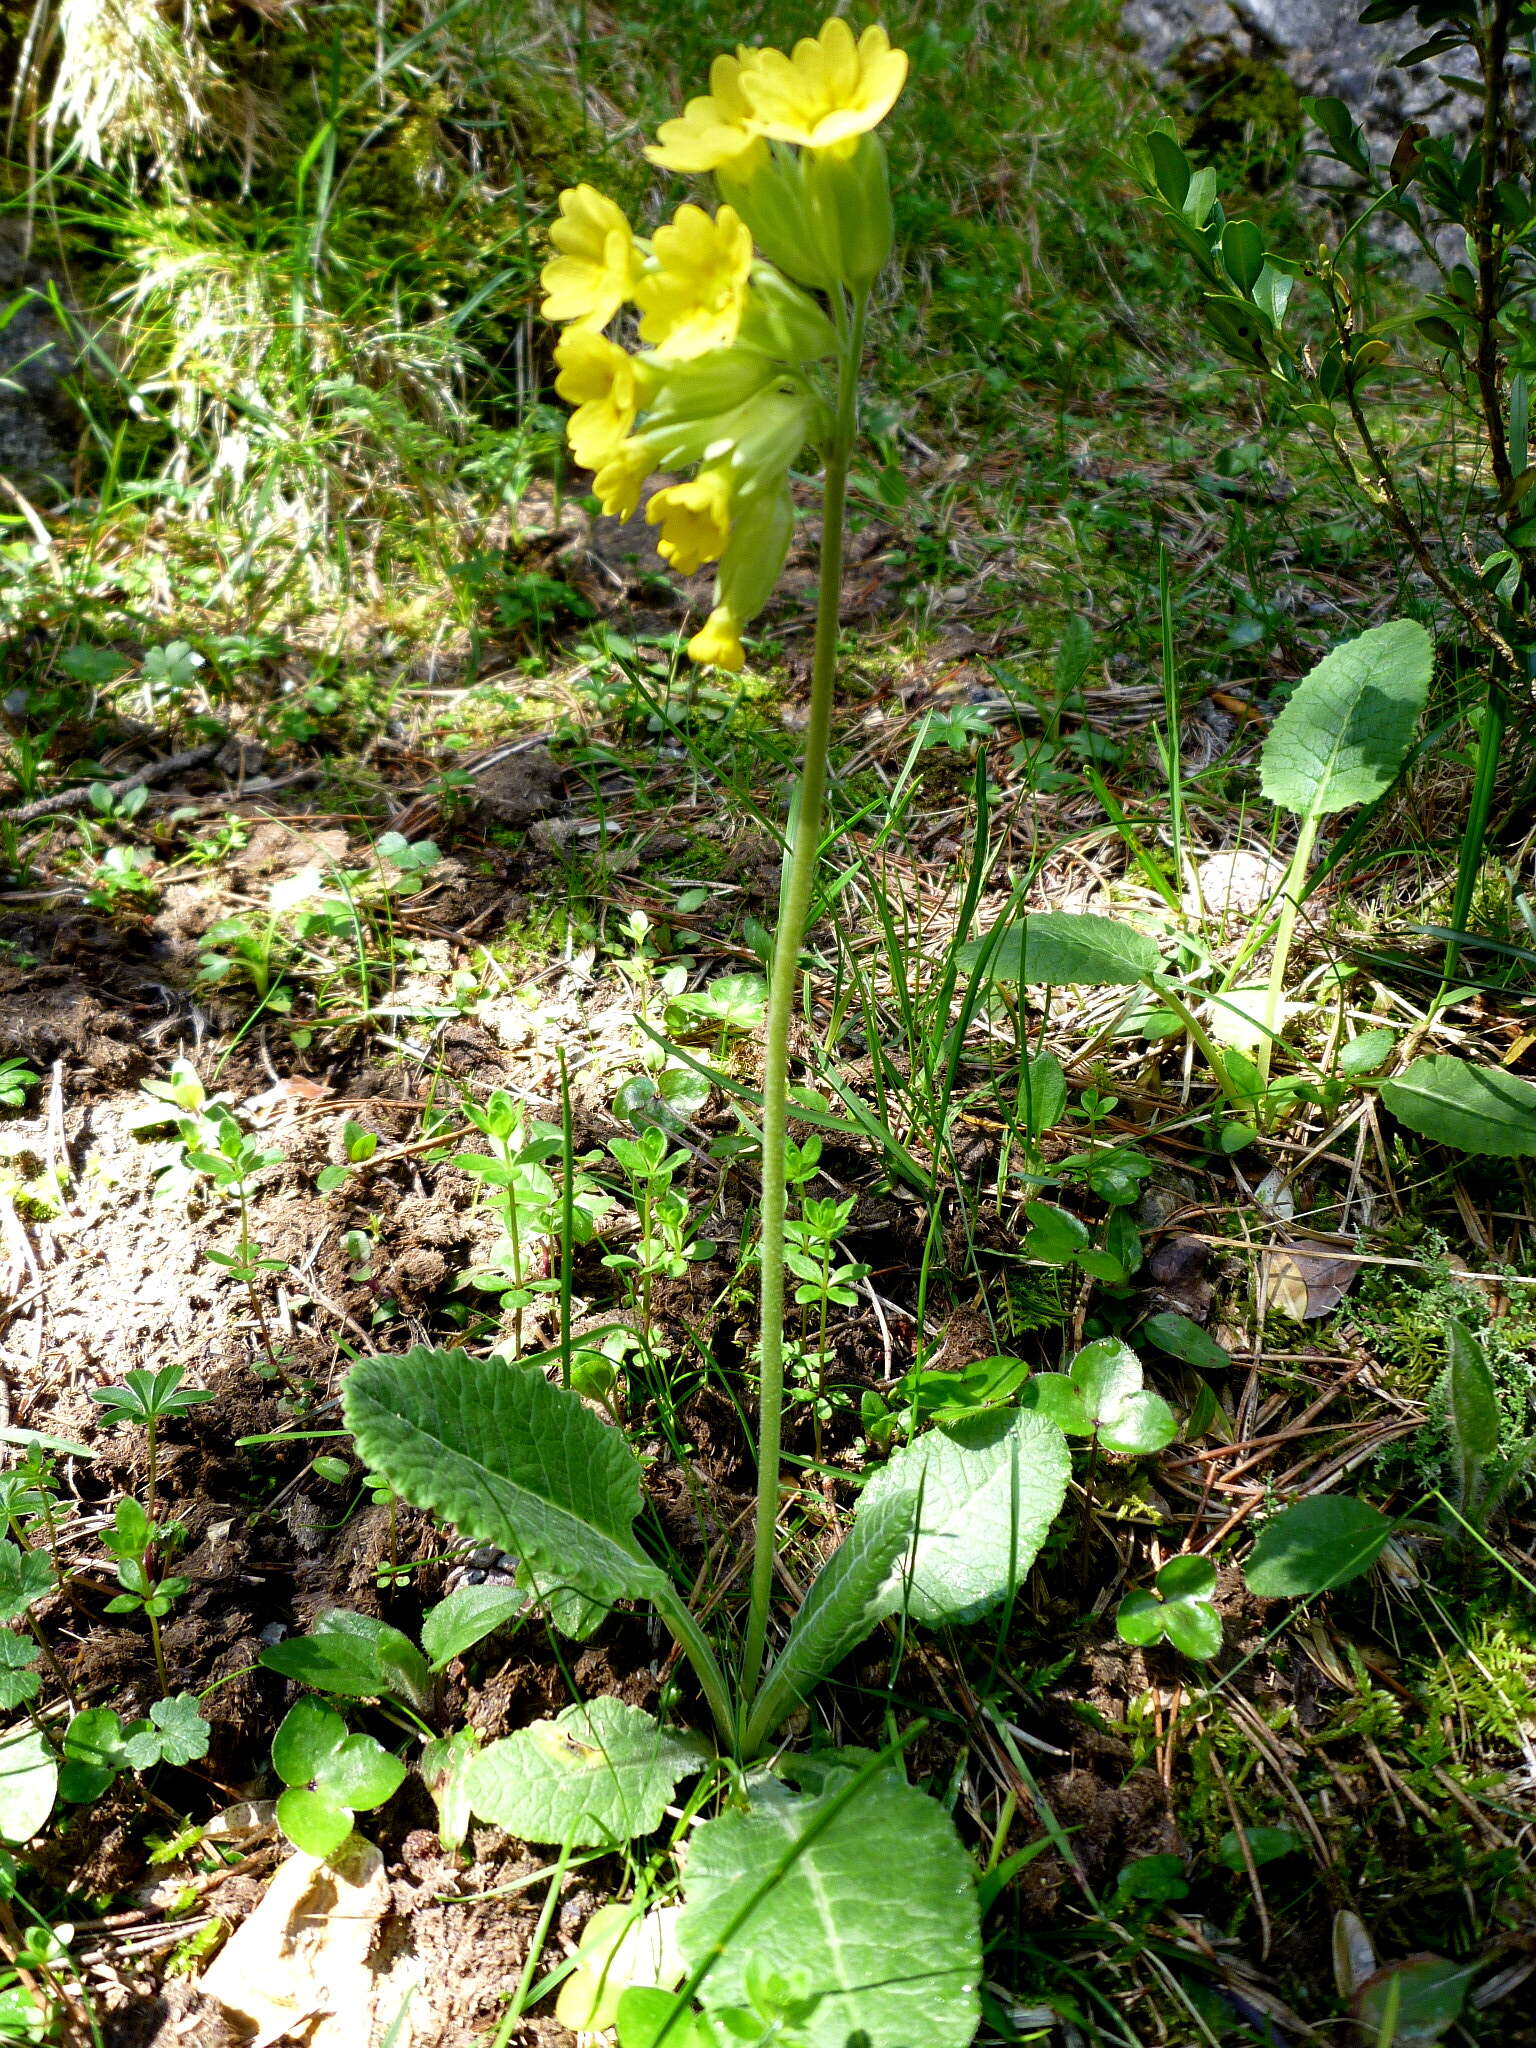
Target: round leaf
{"x": 310, "y": 1732}
{"x": 1193, "y": 1627}
{"x": 1139, "y": 1619}
{"x": 360, "y": 1774}
{"x": 312, "y": 1822}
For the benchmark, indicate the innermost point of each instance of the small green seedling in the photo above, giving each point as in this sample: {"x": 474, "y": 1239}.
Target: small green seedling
{"x": 1102, "y": 1397}
{"x": 360, "y": 1145}
{"x": 330, "y": 1775}
{"x": 145, "y": 1399}
{"x": 1178, "y": 1609}
{"x": 98, "y": 1746}
{"x": 132, "y": 1541}
{"x": 16, "y": 1077}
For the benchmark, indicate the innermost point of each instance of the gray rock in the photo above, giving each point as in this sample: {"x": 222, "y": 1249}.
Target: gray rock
{"x": 1321, "y": 46}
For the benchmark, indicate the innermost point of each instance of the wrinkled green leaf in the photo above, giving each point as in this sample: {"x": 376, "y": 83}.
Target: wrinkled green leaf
{"x": 601, "y": 1772}
{"x": 986, "y": 1491}
{"x": 508, "y": 1458}
{"x": 1474, "y": 1399}
{"x": 1062, "y": 949}
{"x": 1345, "y": 733}
{"x": 1314, "y": 1545}
{"x": 1481, "y": 1110}
{"x": 849, "y": 1597}
{"x": 860, "y": 1898}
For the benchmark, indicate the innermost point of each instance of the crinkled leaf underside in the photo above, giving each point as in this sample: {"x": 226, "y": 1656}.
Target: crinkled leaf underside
{"x": 601, "y": 1772}
{"x": 861, "y": 1898}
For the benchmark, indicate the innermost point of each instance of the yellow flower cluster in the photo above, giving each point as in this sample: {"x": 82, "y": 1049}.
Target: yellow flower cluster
{"x": 728, "y": 381}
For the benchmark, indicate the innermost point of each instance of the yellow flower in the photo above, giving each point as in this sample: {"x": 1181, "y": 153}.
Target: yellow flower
{"x": 598, "y": 265}
{"x": 695, "y": 520}
{"x": 605, "y": 385}
{"x": 830, "y": 90}
{"x": 717, "y": 644}
{"x": 715, "y": 129}
{"x": 618, "y": 481}
{"x": 693, "y": 299}
{"x": 753, "y": 560}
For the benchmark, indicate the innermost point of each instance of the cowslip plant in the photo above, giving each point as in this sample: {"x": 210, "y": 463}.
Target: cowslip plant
{"x": 1481, "y": 1476}
{"x": 832, "y": 1899}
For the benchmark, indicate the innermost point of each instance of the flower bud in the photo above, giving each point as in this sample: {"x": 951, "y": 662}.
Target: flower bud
{"x": 848, "y": 196}
{"x": 761, "y": 531}
{"x": 771, "y": 199}
{"x": 781, "y": 321}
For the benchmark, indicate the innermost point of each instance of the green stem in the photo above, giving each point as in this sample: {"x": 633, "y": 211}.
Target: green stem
{"x": 1285, "y": 929}
{"x": 693, "y": 1642}
{"x": 1469, "y": 857}
{"x": 799, "y": 880}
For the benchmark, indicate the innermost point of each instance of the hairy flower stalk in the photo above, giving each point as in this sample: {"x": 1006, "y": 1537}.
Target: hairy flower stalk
{"x": 732, "y": 382}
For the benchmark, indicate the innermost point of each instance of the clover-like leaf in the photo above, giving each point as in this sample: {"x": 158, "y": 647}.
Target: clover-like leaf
{"x": 1103, "y": 1396}
{"x": 95, "y": 1751}
{"x": 330, "y": 1775}
{"x": 175, "y": 1733}
{"x": 601, "y": 1772}
{"x": 1178, "y": 1608}
{"x": 18, "y": 1680}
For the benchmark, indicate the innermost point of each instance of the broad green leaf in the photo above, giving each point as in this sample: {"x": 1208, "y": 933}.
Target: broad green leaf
{"x": 175, "y": 1733}
{"x": 509, "y": 1459}
{"x": 1181, "y": 1337}
{"x": 1346, "y": 731}
{"x": 25, "y": 1576}
{"x": 987, "y": 1491}
{"x": 1472, "y": 1109}
{"x": 1060, "y": 949}
{"x": 1242, "y": 250}
{"x": 466, "y": 1618}
{"x": 601, "y": 1772}
{"x": 333, "y": 1661}
{"x": 29, "y": 1783}
{"x": 1412, "y": 2003}
{"x": 1315, "y": 1545}
{"x": 848, "y": 1598}
{"x": 1043, "y": 1093}
{"x": 1054, "y": 1234}
{"x": 858, "y": 1895}
{"x": 649, "y": 2018}
{"x": 1474, "y": 1401}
